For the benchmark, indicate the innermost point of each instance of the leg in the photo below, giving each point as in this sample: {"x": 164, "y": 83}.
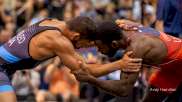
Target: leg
{"x": 41, "y": 96}
{"x": 8, "y": 97}
{"x": 45, "y": 96}
{"x": 7, "y": 93}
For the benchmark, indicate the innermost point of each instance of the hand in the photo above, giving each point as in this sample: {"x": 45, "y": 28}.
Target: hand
{"x": 131, "y": 64}
{"x": 128, "y": 25}
{"x": 82, "y": 74}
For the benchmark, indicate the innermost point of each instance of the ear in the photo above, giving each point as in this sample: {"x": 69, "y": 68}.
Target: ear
{"x": 115, "y": 44}
{"x": 76, "y": 36}
{"x": 92, "y": 42}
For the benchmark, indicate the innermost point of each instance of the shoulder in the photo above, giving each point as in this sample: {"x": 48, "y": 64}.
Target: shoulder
{"x": 141, "y": 42}
{"x": 52, "y": 34}
{"x": 53, "y": 39}
{"x": 140, "y": 46}
{"x": 60, "y": 42}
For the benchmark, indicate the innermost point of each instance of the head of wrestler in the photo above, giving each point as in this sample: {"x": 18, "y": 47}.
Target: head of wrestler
{"x": 110, "y": 38}
{"x": 80, "y": 31}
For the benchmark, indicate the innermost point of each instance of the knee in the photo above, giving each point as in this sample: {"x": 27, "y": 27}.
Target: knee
{"x": 40, "y": 96}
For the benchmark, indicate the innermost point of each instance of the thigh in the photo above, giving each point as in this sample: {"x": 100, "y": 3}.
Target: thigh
{"x": 7, "y": 93}
{"x": 45, "y": 96}
{"x": 7, "y": 96}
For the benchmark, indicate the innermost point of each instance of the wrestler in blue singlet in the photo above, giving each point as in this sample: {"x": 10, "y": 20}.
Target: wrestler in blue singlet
{"x": 14, "y": 54}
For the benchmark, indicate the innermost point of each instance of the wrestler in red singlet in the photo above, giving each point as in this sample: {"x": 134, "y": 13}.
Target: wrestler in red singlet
{"x": 169, "y": 76}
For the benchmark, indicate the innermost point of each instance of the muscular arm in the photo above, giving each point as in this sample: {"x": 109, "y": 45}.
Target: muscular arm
{"x": 65, "y": 50}
{"x": 100, "y": 70}
{"x": 130, "y": 78}
{"x": 123, "y": 86}
{"x": 116, "y": 87}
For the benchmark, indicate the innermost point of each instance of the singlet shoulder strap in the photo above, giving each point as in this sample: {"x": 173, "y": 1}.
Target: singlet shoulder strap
{"x": 42, "y": 21}
{"x": 51, "y": 28}
{"x": 47, "y": 27}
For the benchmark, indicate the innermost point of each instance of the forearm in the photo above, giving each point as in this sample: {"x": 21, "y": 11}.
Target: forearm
{"x": 130, "y": 78}
{"x": 103, "y": 69}
{"x": 116, "y": 87}
{"x": 49, "y": 71}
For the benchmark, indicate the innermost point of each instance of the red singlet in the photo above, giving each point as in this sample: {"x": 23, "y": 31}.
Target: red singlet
{"x": 170, "y": 74}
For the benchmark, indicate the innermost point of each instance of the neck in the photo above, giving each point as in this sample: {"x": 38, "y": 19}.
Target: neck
{"x": 129, "y": 35}
{"x": 127, "y": 38}
{"x": 64, "y": 29}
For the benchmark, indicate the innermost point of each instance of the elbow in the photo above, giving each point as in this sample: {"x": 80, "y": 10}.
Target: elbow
{"x": 124, "y": 94}
{"x": 125, "y": 91}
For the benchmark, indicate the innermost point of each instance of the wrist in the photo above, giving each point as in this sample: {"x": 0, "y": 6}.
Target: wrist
{"x": 121, "y": 64}
{"x": 93, "y": 80}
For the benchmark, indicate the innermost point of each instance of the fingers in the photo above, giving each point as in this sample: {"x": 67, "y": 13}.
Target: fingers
{"x": 132, "y": 60}
{"x": 129, "y": 70}
{"x": 136, "y": 60}
{"x": 131, "y": 28}
{"x": 76, "y": 71}
{"x": 121, "y": 26}
{"x": 81, "y": 64}
{"x": 119, "y": 21}
{"x": 134, "y": 64}
{"x": 127, "y": 25}
{"x": 129, "y": 53}
{"x": 132, "y": 68}
{"x": 135, "y": 28}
